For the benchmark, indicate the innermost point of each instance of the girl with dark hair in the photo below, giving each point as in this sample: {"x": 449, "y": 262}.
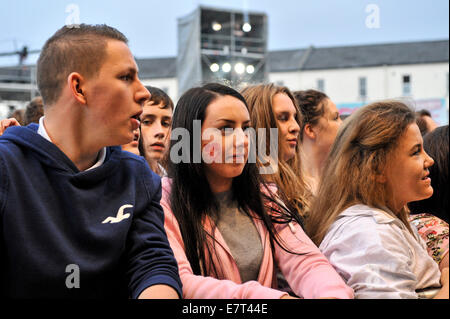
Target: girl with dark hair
{"x": 227, "y": 232}
{"x": 430, "y": 216}
{"x": 321, "y": 121}
{"x": 436, "y": 144}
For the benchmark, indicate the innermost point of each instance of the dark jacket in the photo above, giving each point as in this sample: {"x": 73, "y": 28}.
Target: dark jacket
{"x": 57, "y": 240}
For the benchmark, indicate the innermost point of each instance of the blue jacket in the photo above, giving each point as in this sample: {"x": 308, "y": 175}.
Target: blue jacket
{"x": 71, "y": 234}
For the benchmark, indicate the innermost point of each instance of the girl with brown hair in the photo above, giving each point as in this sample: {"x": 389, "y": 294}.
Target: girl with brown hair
{"x": 360, "y": 219}
{"x": 321, "y": 121}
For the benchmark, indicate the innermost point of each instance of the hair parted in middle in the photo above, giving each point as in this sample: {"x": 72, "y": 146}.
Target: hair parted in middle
{"x": 360, "y": 153}
{"x": 192, "y": 199}
{"x": 288, "y": 177}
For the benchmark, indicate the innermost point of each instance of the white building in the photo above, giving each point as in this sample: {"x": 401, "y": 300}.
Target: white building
{"x": 356, "y": 75}
{"x": 350, "y": 75}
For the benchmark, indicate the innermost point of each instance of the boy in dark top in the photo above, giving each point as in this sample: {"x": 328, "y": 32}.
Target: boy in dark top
{"x": 80, "y": 218}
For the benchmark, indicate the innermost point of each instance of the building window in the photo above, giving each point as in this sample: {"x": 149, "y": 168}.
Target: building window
{"x": 321, "y": 85}
{"x": 406, "y": 85}
{"x": 363, "y": 88}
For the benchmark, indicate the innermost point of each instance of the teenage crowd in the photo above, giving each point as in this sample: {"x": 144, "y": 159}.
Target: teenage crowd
{"x": 353, "y": 209}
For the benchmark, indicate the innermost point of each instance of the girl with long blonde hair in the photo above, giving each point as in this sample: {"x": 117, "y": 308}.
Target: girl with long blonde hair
{"x": 360, "y": 218}
{"x": 274, "y": 106}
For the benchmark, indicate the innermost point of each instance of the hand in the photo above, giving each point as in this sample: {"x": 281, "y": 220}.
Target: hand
{"x": 4, "y": 124}
{"x": 288, "y": 297}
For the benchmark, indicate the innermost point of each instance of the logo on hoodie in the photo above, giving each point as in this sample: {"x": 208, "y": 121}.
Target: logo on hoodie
{"x": 120, "y": 216}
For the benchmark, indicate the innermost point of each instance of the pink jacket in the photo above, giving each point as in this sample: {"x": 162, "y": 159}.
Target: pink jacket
{"x": 309, "y": 276}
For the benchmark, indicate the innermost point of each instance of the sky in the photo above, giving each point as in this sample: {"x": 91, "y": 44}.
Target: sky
{"x": 151, "y": 25}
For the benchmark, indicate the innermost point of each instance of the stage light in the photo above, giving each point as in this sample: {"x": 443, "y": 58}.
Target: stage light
{"x": 223, "y": 38}
{"x": 247, "y": 27}
{"x": 239, "y": 68}
{"x": 216, "y": 26}
{"x": 214, "y": 67}
{"x": 226, "y": 67}
{"x": 250, "y": 69}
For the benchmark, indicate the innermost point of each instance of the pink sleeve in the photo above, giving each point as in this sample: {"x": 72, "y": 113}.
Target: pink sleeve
{"x": 201, "y": 287}
{"x": 309, "y": 275}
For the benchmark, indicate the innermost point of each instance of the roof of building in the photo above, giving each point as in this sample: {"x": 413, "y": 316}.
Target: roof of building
{"x": 286, "y": 60}
{"x": 298, "y": 59}
{"x": 377, "y": 54}
{"x": 327, "y": 58}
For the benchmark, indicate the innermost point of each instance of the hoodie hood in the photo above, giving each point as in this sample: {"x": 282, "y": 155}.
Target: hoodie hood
{"x": 47, "y": 153}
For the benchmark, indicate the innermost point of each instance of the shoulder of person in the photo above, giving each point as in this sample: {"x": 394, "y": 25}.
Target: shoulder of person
{"x": 367, "y": 225}
{"x": 137, "y": 167}
{"x": 166, "y": 184}
{"x": 15, "y": 140}
{"x": 134, "y": 162}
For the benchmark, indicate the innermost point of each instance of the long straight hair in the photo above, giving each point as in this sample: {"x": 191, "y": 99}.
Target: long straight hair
{"x": 289, "y": 177}
{"x": 191, "y": 198}
{"x": 360, "y": 153}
